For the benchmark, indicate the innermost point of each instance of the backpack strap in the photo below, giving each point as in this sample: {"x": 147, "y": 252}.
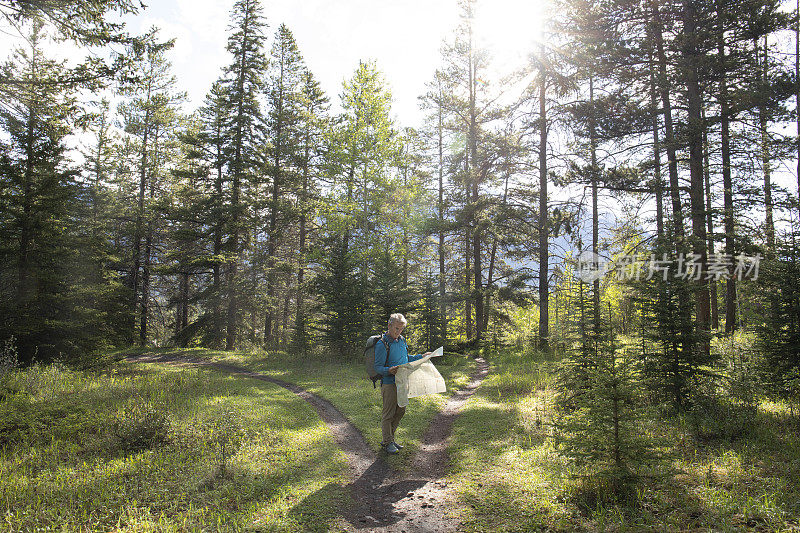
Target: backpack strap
{"x": 385, "y": 363}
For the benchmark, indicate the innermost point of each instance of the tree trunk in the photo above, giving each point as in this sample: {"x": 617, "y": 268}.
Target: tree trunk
{"x": 218, "y": 229}
{"x": 727, "y": 182}
{"x": 467, "y": 250}
{"x": 658, "y": 182}
{"x": 712, "y": 284}
{"x": 300, "y": 311}
{"x": 26, "y": 226}
{"x": 595, "y": 215}
{"x": 137, "y": 237}
{"x": 765, "y": 156}
{"x": 287, "y": 300}
{"x": 145, "y": 304}
{"x": 273, "y": 214}
{"x": 182, "y": 319}
{"x": 233, "y": 265}
{"x": 797, "y": 97}
{"x": 474, "y": 177}
{"x": 493, "y": 256}
{"x": 468, "y": 280}
{"x": 442, "y": 305}
{"x": 406, "y": 217}
{"x": 544, "y": 230}
{"x": 669, "y": 140}
{"x": 254, "y": 283}
{"x": 695, "y": 128}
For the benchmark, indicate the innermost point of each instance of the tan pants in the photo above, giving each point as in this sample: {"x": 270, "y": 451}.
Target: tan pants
{"x": 392, "y": 413}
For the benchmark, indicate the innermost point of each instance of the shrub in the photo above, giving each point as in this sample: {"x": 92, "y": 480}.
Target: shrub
{"x": 9, "y": 357}
{"x": 140, "y": 426}
{"x": 25, "y": 422}
{"x": 742, "y": 366}
{"x": 225, "y": 433}
{"x": 9, "y": 360}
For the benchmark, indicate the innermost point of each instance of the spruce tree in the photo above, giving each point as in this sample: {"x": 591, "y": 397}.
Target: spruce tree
{"x": 388, "y": 292}
{"x": 206, "y": 148}
{"x": 343, "y": 297}
{"x": 779, "y": 328}
{"x": 87, "y": 24}
{"x": 313, "y": 106}
{"x": 149, "y": 118}
{"x": 283, "y": 131}
{"x": 42, "y": 305}
{"x": 601, "y": 421}
{"x": 242, "y": 84}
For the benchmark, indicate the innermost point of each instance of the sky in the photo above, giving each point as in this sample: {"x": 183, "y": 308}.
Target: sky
{"x": 404, "y": 37}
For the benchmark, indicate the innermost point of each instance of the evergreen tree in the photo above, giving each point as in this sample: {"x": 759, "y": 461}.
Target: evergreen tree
{"x": 434, "y": 100}
{"x": 86, "y": 24}
{"x": 207, "y": 147}
{"x": 149, "y": 118}
{"x": 313, "y": 106}
{"x": 428, "y": 316}
{"x": 242, "y": 84}
{"x": 185, "y": 210}
{"x": 343, "y": 297}
{"x": 470, "y": 108}
{"x": 102, "y": 279}
{"x": 283, "y": 132}
{"x": 388, "y": 292}
{"x": 362, "y": 201}
{"x": 601, "y": 421}
{"x": 779, "y": 329}
{"x": 42, "y": 305}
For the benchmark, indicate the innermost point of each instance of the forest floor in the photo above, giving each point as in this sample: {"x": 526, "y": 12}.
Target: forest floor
{"x": 292, "y": 444}
{"x": 383, "y": 499}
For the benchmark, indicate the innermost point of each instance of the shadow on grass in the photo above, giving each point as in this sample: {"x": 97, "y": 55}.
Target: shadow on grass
{"x": 499, "y": 507}
{"x": 366, "y": 503}
{"x": 764, "y": 447}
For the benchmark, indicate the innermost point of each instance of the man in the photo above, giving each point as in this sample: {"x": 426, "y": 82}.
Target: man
{"x": 387, "y": 368}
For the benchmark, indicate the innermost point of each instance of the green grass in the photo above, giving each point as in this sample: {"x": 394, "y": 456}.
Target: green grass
{"x": 509, "y": 477}
{"x": 347, "y": 387}
{"x": 138, "y": 448}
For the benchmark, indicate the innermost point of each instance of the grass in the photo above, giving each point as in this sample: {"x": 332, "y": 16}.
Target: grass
{"x": 509, "y": 477}
{"x": 152, "y": 447}
{"x": 140, "y": 448}
{"x": 347, "y": 387}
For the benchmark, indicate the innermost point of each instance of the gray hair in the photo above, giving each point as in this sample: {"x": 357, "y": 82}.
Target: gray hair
{"x": 397, "y": 317}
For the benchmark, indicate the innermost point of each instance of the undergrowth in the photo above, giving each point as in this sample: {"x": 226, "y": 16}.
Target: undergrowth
{"x": 731, "y": 464}
{"x": 152, "y": 447}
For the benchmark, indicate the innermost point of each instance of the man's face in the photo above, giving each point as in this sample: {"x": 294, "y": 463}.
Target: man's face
{"x": 395, "y": 329}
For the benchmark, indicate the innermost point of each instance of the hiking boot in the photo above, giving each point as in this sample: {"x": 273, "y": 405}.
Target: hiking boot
{"x": 397, "y": 446}
{"x": 391, "y": 448}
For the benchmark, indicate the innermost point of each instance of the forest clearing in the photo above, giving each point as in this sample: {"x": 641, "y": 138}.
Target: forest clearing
{"x": 138, "y": 446}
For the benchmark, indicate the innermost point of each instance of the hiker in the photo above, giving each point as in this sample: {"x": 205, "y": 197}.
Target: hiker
{"x": 387, "y": 368}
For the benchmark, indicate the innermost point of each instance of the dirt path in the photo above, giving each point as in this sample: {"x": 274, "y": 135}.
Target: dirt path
{"x": 383, "y": 499}
{"x": 417, "y": 501}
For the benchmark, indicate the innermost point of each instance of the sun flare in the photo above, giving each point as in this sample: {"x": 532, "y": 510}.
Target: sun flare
{"x": 509, "y": 27}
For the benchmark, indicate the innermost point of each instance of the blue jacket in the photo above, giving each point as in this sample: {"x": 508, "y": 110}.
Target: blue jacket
{"x": 398, "y": 355}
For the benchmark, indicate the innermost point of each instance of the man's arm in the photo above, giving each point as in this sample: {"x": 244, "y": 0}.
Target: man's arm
{"x": 417, "y": 357}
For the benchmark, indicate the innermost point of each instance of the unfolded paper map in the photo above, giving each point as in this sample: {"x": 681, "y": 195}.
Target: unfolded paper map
{"x": 419, "y": 378}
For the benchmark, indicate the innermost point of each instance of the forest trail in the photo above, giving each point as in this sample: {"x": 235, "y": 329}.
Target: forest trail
{"x": 383, "y": 498}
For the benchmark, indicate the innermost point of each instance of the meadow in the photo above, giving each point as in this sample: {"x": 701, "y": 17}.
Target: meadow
{"x": 156, "y": 447}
